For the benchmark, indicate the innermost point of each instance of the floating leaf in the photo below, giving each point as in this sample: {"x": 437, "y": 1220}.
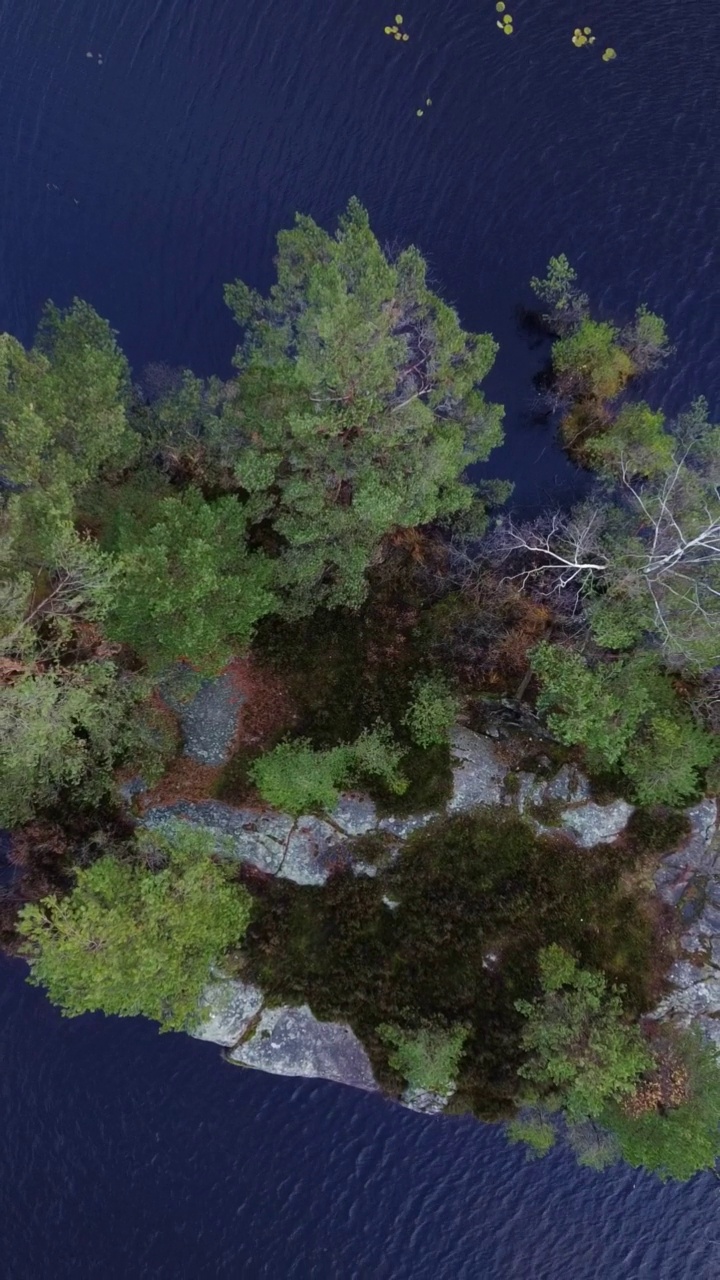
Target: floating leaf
{"x": 507, "y": 20}
{"x": 608, "y": 55}
{"x": 500, "y": 25}
{"x": 500, "y": 7}
{"x": 420, "y": 112}
{"x": 398, "y": 36}
{"x": 398, "y": 18}
{"x": 587, "y": 30}
{"x": 508, "y": 31}
{"x": 428, "y": 102}
{"x": 388, "y": 31}
{"x": 406, "y": 37}
{"x": 591, "y": 40}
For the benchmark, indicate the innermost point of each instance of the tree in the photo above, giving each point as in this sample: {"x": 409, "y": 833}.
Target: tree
{"x": 63, "y": 404}
{"x": 582, "y": 1053}
{"x": 650, "y": 543}
{"x": 427, "y": 1057}
{"x": 187, "y": 585}
{"x": 558, "y": 290}
{"x": 646, "y": 340}
{"x": 62, "y": 731}
{"x": 625, "y": 713}
{"x": 590, "y": 363}
{"x": 357, "y": 409}
{"x": 138, "y": 937}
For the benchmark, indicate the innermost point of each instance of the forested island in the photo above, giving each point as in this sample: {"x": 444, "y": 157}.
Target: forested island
{"x": 306, "y": 537}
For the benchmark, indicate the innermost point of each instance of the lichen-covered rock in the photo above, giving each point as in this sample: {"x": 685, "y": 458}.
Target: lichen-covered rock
{"x": 303, "y": 850}
{"x": 227, "y": 1009}
{"x": 479, "y": 774}
{"x": 291, "y": 1041}
{"x": 699, "y": 851}
{"x": 208, "y": 719}
{"x": 355, "y": 815}
{"x": 404, "y": 827}
{"x": 592, "y": 823}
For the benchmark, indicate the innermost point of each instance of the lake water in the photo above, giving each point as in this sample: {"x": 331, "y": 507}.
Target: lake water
{"x": 143, "y": 178}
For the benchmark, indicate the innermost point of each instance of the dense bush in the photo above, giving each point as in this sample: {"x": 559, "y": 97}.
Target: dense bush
{"x": 432, "y": 711}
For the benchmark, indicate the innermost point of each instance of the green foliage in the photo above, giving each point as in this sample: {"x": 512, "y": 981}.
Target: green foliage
{"x": 582, "y": 1053}
{"x": 476, "y": 896}
{"x": 188, "y": 586}
{"x": 558, "y": 290}
{"x": 138, "y": 937}
{"x": 426, "y": 1057}
{"x": 432, "y": 712}
{"x": 358, "y": 408}
{"x": 635, "y": 445}
{"x": 61, "y": 732}
{"x": 647, "y": 340}
{"x": 590, "y": 361}
{"x": 533, "y": 1128}
{"x": 678, "y": 1141}
{"x": 376, "y": 754}
{"x": 297, "y": 779}
{"x": 625, "y": 713}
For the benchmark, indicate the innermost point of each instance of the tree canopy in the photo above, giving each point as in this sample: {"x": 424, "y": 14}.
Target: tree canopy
{"x": 138, "y": 935}
{"x": 358, "y": 406}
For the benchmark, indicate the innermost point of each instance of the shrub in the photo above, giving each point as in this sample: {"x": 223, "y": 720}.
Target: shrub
{"x": 432, "y": 712}
{"x": 138, "y": 937}
{"x": 428, "y": 1057}
{"x": 375, "y": 754}
{"x": 295, "y": 779}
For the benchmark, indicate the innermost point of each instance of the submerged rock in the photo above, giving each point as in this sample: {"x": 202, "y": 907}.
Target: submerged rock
{"x": 291, "y": 1041}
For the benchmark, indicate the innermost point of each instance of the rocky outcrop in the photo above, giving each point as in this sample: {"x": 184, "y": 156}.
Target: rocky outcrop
{"x": 590, "y": 824}
{"x": 227, "y": 1009}
{"x": 208, "y": 714}
{"x": 309, "y": 848}
{"x": 291, "y": 1041}
{"x": 689, "y": 880}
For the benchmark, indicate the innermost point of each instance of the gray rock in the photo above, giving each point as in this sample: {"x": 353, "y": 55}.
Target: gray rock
{"x": 227, "y": 1007}
{"x": 426, "y": 1101}
{"x": 597, "y": 823}
{"x": 478, "y": 778}
{"x": 698, "y": 851}
{"x": 292, "y": 1042}
{"x": 404, "y": 827}
{"x": 569, "y": 786}
{"x": 303, "y": 851}
{"x": 355, "y": 815}
{"x": 208, "y": 718}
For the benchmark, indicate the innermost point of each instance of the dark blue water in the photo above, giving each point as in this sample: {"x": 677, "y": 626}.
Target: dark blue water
{"x": 143, "y": 184}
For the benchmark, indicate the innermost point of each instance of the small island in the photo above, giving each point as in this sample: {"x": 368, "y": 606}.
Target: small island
{"x": 312, "y": 747}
